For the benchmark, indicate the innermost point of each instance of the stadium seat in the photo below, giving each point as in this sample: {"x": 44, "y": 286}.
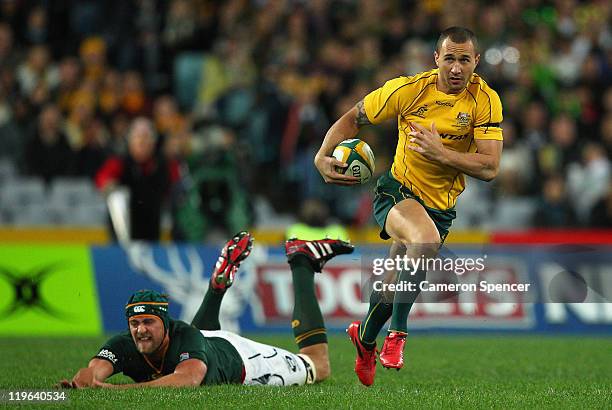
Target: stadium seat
{"x": 73, "y": 192}
{"x": 513, "y": 214}
{"x": 473, "y": 206}
{"x": 35, "y": 214}
{"x": 87, "y": 215}
{"x": 7, "y": 170}
{"x": 21, "y": 192}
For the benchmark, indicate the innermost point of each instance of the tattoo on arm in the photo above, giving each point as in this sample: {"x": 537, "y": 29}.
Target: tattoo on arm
{"x": 361, "y": 119}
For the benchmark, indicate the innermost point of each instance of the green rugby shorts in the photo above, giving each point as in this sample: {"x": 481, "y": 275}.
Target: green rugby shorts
{"x": 389, "y": 191}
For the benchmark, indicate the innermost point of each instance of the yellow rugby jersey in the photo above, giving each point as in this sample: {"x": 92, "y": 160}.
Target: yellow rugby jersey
{"x": 476, "y": 112}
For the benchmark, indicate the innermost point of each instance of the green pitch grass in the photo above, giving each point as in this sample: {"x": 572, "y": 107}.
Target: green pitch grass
{"x": 441, "y": 371}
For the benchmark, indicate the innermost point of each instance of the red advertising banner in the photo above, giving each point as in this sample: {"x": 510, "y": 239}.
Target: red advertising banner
{"x": 339, "y": 294}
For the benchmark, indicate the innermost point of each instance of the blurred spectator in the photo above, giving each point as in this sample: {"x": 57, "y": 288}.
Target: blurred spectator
{"x": 9, "y": 57}
{"x": 606, "y": 133}
{"x": 48, "y": 154}
{"x": 588, "y": 180}
{"x": 82, "y": 112}
{"x": 37, "y": 70}
{"x": 416, "y": 56}
{"x": 119, "y": 127}
{"x": 68, "y": 83}
{"x": 110, "y": 95}
{"x": 212, "y": 197}
{"x": 92, "y": 154}
{"x": 134, "y": 100}
{"x": 147, "y": 175}
{"x": 93, "y": 56}
{"x": 553, "y": 209}
{"x": 561, "y": 147}
{"x": 315, "y": 223}
{"x": 180, "y": 29}
{"x": 166, "y": 115}
{"x": 534, "y": 119}
{"x": 515, "y": 168}
{"x": 601, "y": 216}
{"x": 35, "y": 31}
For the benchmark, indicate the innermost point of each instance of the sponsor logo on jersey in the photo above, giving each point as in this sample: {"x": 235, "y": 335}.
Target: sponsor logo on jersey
{"x": 107, "y": 354}
{"x": 446, "y": 103}
{"x": 420, "y": 112}
{"x": 291, "y": 363}
{"x": 454, "y": 137}
{"x": 183, "y": 356}
{"x": 139, "y": 309}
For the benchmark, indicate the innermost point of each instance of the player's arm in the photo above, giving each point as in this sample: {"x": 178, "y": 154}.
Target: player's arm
{"x": 345, "y": 127}
{"x": 96, "y": 371}
{"x": 109, "y": 174}
{"x": 483, "y": 164}
{"x": 189, "y": 373}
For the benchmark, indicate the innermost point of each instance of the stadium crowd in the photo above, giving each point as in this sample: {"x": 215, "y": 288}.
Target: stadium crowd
{"x": 241, "y": 92}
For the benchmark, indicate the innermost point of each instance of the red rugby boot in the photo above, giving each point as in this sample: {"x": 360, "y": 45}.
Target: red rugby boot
{"x": 392, "y": 353}
{"x": 233, "y": 253}
{"x": 365, "y": 362}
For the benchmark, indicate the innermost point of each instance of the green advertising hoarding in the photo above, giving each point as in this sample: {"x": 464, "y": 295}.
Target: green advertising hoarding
{"x": 47, "y": 290}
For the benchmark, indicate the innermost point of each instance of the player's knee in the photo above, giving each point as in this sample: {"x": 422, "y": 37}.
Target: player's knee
{"x": 426, "y": 238}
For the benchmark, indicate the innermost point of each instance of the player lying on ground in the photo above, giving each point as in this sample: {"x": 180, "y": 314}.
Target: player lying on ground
{"x": 448, "y": 125}
{"x": 160, "y": 351}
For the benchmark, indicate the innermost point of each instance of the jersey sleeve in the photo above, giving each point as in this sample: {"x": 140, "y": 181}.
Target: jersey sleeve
{"x": 114, "y": 352}
{"x": 387, "y": 101}
{"x": 192, "y": 346}
{"x": 487, "y": 125}
{"x": 110, "y": 171}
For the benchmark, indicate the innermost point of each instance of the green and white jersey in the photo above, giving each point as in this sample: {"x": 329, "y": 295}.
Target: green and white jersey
{"x": 186, "y": 342}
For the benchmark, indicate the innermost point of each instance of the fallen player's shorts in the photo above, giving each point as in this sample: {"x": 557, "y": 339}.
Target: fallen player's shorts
{"x": 389, "y": 192}
{"x": 268, "y": 365}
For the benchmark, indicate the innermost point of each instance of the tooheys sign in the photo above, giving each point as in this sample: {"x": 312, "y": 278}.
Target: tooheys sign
{"x": 338, "y": 292}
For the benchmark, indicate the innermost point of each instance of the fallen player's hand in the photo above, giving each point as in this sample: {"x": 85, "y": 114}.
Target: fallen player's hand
{"x": 327, "y": 168}
{"x": 65, "y": 384}
{"x": 83, "y": 378}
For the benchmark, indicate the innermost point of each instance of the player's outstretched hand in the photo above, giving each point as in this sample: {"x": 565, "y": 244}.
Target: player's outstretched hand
{"x": 83, "y": 378}
{"x": 65, "y": 384}
{"x": 327, "y": 168}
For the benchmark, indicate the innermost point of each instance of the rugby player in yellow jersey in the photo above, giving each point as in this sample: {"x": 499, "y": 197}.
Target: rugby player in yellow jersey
{"x": 448, "y": 122}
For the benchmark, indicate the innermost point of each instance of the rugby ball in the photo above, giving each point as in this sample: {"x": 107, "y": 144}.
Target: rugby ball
{"x": 359, "y": 157}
